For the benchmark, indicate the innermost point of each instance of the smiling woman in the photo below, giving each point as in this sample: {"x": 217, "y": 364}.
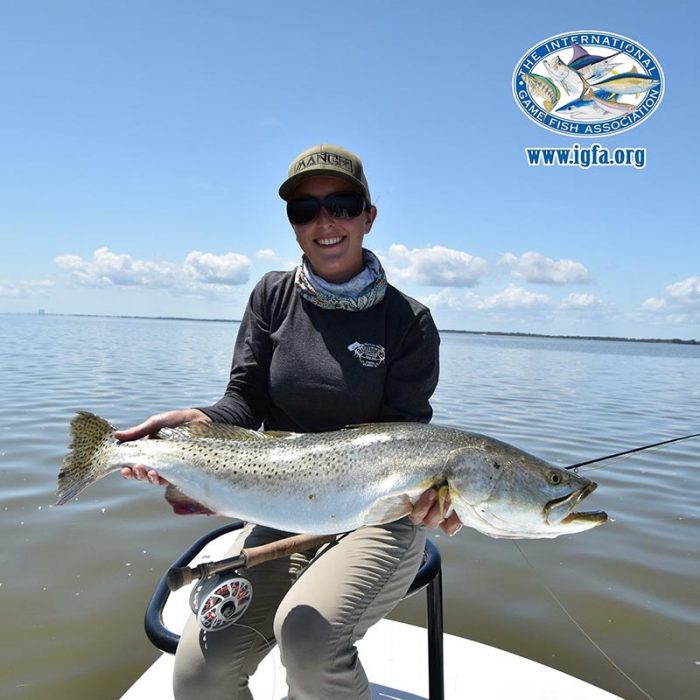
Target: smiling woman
{"x": 329, "y": 207}
{"x": 323, "y": 346}
{"x": 332, "y": 239}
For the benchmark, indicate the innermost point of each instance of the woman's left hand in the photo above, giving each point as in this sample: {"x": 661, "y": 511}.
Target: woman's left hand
{"x": 426, "y": 511}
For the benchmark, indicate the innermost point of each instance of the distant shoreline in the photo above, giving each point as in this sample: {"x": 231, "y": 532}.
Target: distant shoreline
{"x": 622, "y": 339}
{"x": 619, "y": 339}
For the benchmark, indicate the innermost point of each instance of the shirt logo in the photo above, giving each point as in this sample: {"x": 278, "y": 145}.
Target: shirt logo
{"x": 369, "y": 355}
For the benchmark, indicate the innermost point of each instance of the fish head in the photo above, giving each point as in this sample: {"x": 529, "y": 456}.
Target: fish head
{"x": 574, "y": 106}
{"x": 507, "y": 493}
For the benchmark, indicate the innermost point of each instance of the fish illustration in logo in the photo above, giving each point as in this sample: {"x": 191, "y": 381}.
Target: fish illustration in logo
{"x": 539, "y": 86}
{"x": 599, "y": 67}
{"x": 608, "y": 106}
{"x": 632, "y": 83}
{"x": 581, "y": 58}
{"x": 583, "y": 108}
{"x": 567, "y": 77}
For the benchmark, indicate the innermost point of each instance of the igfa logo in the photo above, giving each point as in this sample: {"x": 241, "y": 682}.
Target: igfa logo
{"x": 588, "y": 83}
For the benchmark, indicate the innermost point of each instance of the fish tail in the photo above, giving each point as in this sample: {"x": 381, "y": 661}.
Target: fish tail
{"x": 88, "y": 459}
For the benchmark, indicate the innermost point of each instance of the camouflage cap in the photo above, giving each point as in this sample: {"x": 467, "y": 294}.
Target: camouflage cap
{"x": 325, "y": 159}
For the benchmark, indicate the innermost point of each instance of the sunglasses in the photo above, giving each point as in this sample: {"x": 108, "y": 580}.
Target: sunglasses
{"x": 340, "y": 205}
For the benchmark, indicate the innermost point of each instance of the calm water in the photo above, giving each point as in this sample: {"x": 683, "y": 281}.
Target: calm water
{"x": 75, "y": 580}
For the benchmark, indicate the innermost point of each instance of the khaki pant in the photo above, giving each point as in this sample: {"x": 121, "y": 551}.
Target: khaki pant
{"x": 316, "y": 619}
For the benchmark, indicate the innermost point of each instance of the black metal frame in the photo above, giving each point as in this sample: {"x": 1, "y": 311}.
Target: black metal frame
{"x": 429, "y": 576}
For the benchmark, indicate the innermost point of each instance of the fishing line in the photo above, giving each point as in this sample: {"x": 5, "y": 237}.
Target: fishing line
{"x": 269, "y": 655}
{"x": 632, "y": 451}
{"x": 578, "y": 626}
{"x": 613, "y": 459}
{"x": 270, "y": 649}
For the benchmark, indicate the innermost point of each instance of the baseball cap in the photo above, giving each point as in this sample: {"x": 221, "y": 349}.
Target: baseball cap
{"x": 325, "y": 159}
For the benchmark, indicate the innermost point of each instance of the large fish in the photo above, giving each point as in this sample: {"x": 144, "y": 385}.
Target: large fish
{"x": 340, "y": 480}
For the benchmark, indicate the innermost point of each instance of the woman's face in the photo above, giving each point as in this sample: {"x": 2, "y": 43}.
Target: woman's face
{"x": 332, "y": 246}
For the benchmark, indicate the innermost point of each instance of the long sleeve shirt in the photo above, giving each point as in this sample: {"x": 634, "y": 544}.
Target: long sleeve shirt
{"x": 301, "y": 368}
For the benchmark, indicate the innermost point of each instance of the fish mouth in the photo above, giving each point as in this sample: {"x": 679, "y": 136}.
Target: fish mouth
{"x": 560, "y": 511}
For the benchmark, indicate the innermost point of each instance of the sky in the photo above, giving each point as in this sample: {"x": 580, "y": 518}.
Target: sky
{"x": 142, "y": 145}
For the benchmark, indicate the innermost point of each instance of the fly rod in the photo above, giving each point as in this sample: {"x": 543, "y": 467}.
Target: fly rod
{"x": 629, "y": 452}
{"x": 179, "y": 577}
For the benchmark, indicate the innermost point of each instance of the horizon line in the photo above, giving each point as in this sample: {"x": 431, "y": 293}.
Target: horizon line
{"x": 626, "y": 339}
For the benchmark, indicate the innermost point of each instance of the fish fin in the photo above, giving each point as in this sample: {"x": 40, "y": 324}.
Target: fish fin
{"x": 443, "y": 494}
{"x": 87, "y": 460}
{"x": 182, "y": 504}
{"x": 548, "y": 106}
{"x": 585, "y": 86}
{"x": 222, "y": 431}
{"x": 579, "y": 52}
{"x": 278, "y": 434}
{"x": 388, "y": 509}
{"x": 634, "y": 69}
{"x": 605, "y": 94}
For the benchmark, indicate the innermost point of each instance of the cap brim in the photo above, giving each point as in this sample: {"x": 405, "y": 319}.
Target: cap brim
{"x": 290, "y": 184}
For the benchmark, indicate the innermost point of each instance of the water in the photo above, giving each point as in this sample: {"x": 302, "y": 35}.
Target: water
{"x": 75, "y": 580}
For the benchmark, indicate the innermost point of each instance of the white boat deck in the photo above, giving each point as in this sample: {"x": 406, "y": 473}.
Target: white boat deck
{"x": 395, "y": 658}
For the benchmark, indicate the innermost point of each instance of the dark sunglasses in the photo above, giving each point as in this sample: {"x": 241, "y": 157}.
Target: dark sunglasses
{"x": 340, "y": 205}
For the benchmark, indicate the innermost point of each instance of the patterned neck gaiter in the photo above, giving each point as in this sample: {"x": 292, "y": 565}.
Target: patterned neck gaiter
{"x": 361, "y": 292}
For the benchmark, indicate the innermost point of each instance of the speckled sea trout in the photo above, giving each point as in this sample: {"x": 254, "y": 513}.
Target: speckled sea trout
{"x": 338, "y": 481}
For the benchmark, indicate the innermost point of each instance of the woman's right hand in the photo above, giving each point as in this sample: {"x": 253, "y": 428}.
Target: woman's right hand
{"x": 169, "y": 419}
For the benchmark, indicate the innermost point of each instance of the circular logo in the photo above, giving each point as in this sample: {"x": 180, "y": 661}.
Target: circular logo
{"x": 588, "y": 83}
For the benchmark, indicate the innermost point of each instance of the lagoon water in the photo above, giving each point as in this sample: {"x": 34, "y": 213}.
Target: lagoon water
{"x": 75, "y": 580}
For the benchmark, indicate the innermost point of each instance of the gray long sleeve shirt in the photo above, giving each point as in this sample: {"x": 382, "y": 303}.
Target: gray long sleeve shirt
{"x": 302, "y": 368}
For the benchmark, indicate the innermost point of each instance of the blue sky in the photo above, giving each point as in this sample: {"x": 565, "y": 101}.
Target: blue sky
{"x": 142, "y": 145}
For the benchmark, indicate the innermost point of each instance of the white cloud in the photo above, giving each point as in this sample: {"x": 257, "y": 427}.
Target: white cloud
{"x": 513, "y": 297}
{"x": 208, "y": 268}
{"x": 273, "y": 260}
{"x": 436, "y": 266}
{"x": 107, "y": 268}
{"x": 537, "y": 268}
{"x": 683, "y": 296}
{"x": 580, "y": 301}
{"x": 200, "y": 272}
{"x": 24, "y": 288}
{"x": 510, "y": 298}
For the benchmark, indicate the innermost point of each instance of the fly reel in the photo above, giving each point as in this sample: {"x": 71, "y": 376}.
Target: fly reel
{"x": 222, "y": 596}
{"x": 218, "y": 602}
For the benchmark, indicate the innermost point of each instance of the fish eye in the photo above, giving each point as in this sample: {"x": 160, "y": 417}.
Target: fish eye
{"x": 555, "y": 478}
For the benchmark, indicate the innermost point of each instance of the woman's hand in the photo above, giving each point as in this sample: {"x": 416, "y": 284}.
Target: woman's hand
{"x": 169, "y": 419}
{"x": 426, "y": 511}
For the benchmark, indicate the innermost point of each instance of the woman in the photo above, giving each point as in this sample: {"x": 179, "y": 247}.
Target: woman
{"x": 327, "y": 345}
